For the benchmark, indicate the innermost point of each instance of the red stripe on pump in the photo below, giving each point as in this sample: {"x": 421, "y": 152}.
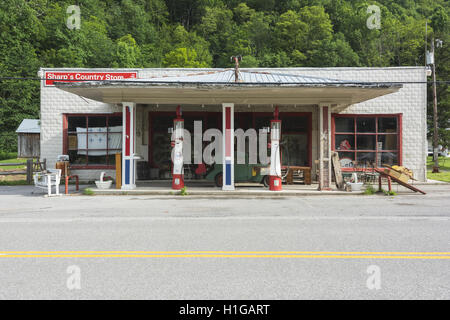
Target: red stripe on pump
{"x": 127, "y": 131}
{"x": 227, "y": 132}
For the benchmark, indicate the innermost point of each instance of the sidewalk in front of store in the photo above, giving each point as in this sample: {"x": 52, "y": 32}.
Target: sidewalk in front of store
{"x": 203, "y": 188}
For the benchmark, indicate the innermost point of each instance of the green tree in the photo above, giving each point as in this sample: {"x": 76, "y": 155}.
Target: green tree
{"x": 183, "y": 58}
{"x": 20, "y": 31}
{"x": 128, "y": 54}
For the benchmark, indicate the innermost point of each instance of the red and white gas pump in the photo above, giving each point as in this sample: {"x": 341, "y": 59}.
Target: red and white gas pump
{"x": 177, "y": 152}
{"x": 275, "y": 159}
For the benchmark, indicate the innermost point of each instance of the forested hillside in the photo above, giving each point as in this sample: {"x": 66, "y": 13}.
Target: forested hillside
{"x": 206, "y": 33}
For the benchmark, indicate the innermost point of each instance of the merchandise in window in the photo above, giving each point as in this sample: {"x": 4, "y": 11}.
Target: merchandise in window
{"x": 93, "y": 140}
{"x": 367, "y": 141}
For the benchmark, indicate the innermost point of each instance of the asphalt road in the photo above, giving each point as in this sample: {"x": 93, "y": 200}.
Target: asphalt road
{"x": 144, "y": 247}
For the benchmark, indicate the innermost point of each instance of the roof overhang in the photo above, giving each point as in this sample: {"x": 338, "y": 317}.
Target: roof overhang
{"x": 150, "y": 92}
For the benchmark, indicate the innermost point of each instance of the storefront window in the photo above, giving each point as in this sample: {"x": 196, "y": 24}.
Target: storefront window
{"x": 295, "y": 134}
{"x": 295, "y": 140}
{"x": 367, "y": 140}
{"x": 92, "y": 140}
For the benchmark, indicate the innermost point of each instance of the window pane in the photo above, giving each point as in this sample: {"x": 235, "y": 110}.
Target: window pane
{"x": 365, "y": 142}
{"x": 95, "y": 122}
{"x": 389, "y": 158}
{"x": 365, "y": 157}
{"x": 387, "y": 142}
{"x": 77, "y": 140}
{"x": 189, "y": 123}
{"x": 115, "y": 121}
{"x": 74, "y": 122}
{"x": 295, "y": 150}
{"x": 347, "y": 159}
{"x": 97, "y": 140}
{"x": 162, "y": 123}
{"x": 114, "y": 138}
{"x": 243, "y": 120}
{"x": 213, "y": 121}
{"x": 97, "y": 160}
{"x": 344, "y": 142}
{"x": 76, "y": 158}
{"x": 262, "y": 121}
{"x": 161, "y": 150}
{"x": 344, "y": 124}
{"x": 365, "y": 124}
{"x": 294, "y": 124}
{"x": 387, "y": 125}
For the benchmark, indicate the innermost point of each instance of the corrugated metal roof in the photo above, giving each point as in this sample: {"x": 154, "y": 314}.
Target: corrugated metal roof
{"x": 228, "y": 76}
{"x": 29, "y": 126}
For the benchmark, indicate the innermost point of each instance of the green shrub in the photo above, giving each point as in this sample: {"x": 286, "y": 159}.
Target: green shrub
{"x": 14, "y": 183}
{"x": 88, "y": 192}
{"x": 7, "y": 155}
{"x": 183, "y": 191}
{"x": 390, "y": 193}
{"x": 369, "y": 190}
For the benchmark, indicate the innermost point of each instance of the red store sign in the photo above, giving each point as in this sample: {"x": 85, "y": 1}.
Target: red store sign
{"x": 51, "y": 77}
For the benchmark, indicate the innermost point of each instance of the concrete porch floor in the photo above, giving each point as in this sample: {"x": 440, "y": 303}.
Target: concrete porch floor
{"x": 208, "y": 188}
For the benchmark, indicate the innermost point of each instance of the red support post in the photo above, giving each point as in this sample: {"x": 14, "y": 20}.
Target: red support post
{"x": 76, "y": 182}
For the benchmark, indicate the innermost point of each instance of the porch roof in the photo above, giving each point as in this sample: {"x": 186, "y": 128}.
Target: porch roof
{"x": 219, "y": 86}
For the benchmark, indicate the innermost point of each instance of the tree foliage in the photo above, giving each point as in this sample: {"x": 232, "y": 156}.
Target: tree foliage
{"x": 206, "y": 33}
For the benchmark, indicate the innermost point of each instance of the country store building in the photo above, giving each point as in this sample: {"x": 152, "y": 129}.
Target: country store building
{"x": 371, "y": 116}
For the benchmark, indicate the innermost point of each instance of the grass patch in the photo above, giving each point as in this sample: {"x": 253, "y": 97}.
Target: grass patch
{"x": 444, "y": 163}
{"x": 13, "y": 183}
{"x": 443, "y": 176}
{"x": 88, "y": 192}
{"x": 369, "y": 190}
{"x": 183, "y": 191}
{"x": 390, "y": 193}
{"x": 444, "y": 166}
{"x": 13, "y": 160}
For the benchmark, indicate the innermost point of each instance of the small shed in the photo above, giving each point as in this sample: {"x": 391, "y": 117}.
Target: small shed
{"x": 28, "y": 139}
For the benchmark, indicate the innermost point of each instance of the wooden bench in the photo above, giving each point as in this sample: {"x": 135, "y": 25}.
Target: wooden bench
{"x": 290, "y": 174}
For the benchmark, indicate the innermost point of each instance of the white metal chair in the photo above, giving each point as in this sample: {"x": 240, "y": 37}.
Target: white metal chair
{"x": 47, "y": 179}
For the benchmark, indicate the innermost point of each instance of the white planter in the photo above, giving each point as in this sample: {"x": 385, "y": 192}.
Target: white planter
{"x": 355, "y": 187}
{"x": 103, "y": 184}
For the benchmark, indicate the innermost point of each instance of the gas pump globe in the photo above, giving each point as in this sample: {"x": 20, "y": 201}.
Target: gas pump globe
{"x": 177, "y": 171}
{"x": 275, "y": 159}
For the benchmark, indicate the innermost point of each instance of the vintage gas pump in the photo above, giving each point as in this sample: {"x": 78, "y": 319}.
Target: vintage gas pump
{"x": 177, "y": 152}
{"x": 275, "y": 159}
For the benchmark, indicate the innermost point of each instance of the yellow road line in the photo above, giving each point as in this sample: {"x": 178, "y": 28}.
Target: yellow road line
{"x": 222, "y": 252}
{"x": 270, "y": 256}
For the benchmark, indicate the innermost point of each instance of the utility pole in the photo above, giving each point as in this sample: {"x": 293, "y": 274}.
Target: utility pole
{"x": 435, "y": 114}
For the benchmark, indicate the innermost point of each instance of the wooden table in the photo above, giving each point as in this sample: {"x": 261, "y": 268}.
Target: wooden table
{"x": 290, "y": 174}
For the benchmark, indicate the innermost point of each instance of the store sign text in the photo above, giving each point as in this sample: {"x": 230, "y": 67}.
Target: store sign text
{"x": 52, "y": 77}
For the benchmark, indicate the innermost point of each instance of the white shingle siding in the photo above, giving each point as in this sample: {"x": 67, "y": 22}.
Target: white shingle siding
{"x": 409, "y": 101}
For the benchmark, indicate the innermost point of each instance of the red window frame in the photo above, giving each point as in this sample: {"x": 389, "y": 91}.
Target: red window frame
{"x": 399, "y": 149}
{"x": 66, "y": 137}
{"x": 251, "y": 115}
